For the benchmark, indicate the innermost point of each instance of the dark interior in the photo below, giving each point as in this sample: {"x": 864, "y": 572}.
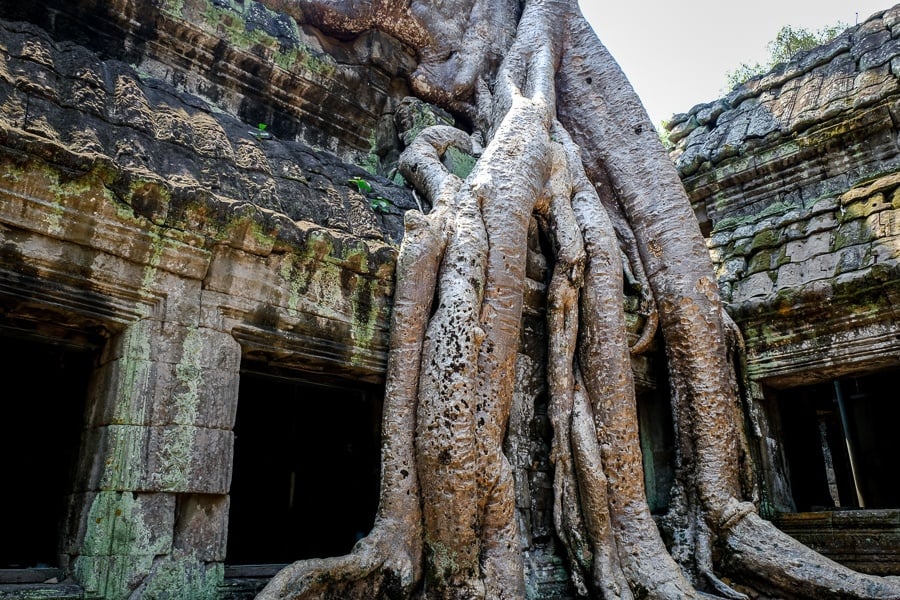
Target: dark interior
{"x": 41, "y": 414}
{"x": 306, "y": 470}
{"x": 657, "y": 432}
{"x": 841, "y": 444}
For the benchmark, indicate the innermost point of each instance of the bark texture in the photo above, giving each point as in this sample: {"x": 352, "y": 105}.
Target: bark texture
{"x": 567, "y": 142}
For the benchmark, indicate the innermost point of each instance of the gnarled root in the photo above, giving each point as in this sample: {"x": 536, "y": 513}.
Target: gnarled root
{"x": 772, "y": 561}
{"x": 621, "y": 143}
{"x": 378, "y": 567}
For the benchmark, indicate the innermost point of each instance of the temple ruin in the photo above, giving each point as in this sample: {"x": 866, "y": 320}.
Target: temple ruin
{"x": 199, "y": 222}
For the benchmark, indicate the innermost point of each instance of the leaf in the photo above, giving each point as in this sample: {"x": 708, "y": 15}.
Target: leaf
{"x": 361, "y": 184}
{"x": 380, "y": 204}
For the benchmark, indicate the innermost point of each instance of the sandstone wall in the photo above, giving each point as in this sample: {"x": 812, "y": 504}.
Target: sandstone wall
{"x": 795, "y": 176}
{"x": 143, "y": 221}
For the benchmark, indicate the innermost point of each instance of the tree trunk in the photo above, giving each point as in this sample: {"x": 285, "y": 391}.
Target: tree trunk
{"x": 569, "y": 142}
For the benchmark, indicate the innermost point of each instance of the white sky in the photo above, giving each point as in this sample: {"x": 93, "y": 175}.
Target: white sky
{"x": 676, "y": 54}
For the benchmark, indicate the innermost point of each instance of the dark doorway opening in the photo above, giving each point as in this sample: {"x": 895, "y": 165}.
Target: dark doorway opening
{"x": 657, "y": 436}
{"x": 306, "y": 469}
{"x": 42, "y": 416}
{"x": 841, "y": 444}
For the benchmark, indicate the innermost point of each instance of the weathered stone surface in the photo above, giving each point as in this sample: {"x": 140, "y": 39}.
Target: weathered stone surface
{"x": 183, "y": 458}
{"x": 156, "y": 133}
{"x": 247, "y": 59}
{"x": 119, "y": 523}
{"x": 201, "y": 529}
{"x": 797, "y": 175}
{"x": 808, "y": 206}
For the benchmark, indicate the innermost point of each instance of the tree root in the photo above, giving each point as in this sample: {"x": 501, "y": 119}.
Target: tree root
{"x": 446, "y": 524}
{"x": 375, "y": 568}
{"x": 760, "y": 553}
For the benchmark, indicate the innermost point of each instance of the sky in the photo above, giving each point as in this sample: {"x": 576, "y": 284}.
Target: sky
{"x": 677, "y": 54}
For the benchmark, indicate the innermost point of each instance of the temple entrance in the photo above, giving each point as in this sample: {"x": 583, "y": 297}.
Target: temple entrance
{"x": 306, "y": 469}
{"x": 42, "y": 417}
{"x": 841, "y": 444}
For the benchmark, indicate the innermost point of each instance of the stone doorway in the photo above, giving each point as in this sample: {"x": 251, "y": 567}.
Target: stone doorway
{"x": 306, "y": 469}
{"x": 42, "y": 416}
{"x": 840, "y": 442}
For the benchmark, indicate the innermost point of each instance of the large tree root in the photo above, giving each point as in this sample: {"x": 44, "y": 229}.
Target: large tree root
{"x": 446, "y": 526}
{"x": 678, "y": 269}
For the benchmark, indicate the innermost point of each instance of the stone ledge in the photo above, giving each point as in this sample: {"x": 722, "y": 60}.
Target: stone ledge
{"x": 41, "y": 591}
{"x": 865, "y": 540}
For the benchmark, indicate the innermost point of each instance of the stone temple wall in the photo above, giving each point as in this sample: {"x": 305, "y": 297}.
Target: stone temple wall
{"x": 180, "y": 247}
{"x": 794, "y": 175}
{"x": 795, "y": 178}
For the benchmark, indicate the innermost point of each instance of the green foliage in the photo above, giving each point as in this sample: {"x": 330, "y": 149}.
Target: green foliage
{"x": 662, "y": 130}
{"x": 380, "y": 204}
{"x": 361, "y": 184}
{"x": 788, "y": 41}
{"x": 260, "y": 133}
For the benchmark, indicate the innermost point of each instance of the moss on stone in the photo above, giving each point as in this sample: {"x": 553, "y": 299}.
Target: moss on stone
{"x": 458, "y": 162}
{"x": 761, "y": 261}
{"x": 767, "y": 238}
{"x": 183, "y": 576}
{"x": 851, "y": 233}
{"x": 776, "y": 208}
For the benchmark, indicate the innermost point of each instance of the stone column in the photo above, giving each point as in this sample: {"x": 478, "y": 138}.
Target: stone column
{"x": 150, "y": 512}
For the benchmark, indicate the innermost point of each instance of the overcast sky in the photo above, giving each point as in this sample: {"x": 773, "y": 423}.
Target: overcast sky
{"x": 676, "y": 54}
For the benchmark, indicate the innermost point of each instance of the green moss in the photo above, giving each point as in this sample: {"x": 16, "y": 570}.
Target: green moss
{"x": 226, "y": 22}
{"x": 458, "y": 162}
{"x": 740, "y": 247}
{"x": 184, "y": 577}
{"x": 761, "y": 261}
{"x": 781, "y": 258}
{"x": 776, "y": 208}
{"x": 767, "y": 238}
{"x": 174, "y": 7}
{"x": 851, "y": 233}
{"x": 861, "y": 209}
{"x": 115, "y": 526}
{"x": 303, "y": 58}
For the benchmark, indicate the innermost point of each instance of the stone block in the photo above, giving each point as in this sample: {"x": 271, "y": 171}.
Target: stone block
{"x": 766, "y": 238}
{"x": 209, "y": 399}
{"x": 111, "y": 576}
{"x": 864, "y": 207}
{"x": 821, "y": 222}
{"x": 198, "y": 383}
{"x": 121, "y": 524}
{"x": 852, "y": 233}
{"x": 756, "y": 286}
{"x": 182, "y": 576}
{"x": 761, "y": 261}
{"x": 888, "y": 224}
{"x": 808, "y": 247}
{"x": 112, "y": 458}
{"x": 198, "y": 347}
{"x": 886, "y": 250}
{"x": 182, "y": 298}
{"x": 122, "y": 392}
{"x": 853, "y": 258}
{"x": 202, "y": 526}
{"x": 139, "y": 340}
{"x": 182, "y": 458}
{"x": 790, "y": 275}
